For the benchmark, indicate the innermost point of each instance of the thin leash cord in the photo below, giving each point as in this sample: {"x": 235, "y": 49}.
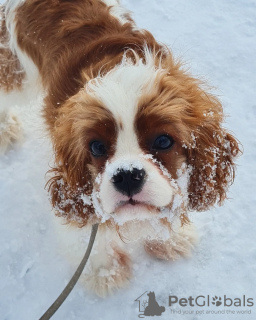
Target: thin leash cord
{"x": 64, "y": 294}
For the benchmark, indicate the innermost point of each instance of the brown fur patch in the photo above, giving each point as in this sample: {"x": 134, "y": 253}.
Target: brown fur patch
{"x": 67, "y": 39}
{"x": 11, "y": 72}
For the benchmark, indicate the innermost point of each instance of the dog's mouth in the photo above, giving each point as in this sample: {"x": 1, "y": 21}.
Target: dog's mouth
{"x": 133, "y": 202}
{"x": 134, "y": 205}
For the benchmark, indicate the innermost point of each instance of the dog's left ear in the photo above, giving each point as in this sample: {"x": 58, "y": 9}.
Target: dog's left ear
{"x": 209, "y": 148}
{"x": 211, "y": 154}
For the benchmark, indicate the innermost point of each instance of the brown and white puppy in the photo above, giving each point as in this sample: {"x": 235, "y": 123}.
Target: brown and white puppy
{"x": 138, "y": 142}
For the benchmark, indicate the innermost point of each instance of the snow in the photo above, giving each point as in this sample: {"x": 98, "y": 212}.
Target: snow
{"x": 113, "y": 169}
{"x": 218, "y": 41}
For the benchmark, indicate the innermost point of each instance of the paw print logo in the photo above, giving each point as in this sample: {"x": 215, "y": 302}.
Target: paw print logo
{"x": 216, "y": 301}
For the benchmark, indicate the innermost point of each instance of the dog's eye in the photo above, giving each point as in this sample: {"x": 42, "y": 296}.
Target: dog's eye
{"x": 163, "y": 142}
{"x": 98, "y": 148}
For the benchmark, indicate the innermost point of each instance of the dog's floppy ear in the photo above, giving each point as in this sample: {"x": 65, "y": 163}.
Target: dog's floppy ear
{"x": 211, "y": 154}
{"x": 70, "y": 186}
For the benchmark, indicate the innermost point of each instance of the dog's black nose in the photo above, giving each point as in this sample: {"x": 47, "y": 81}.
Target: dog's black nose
{"x": 129, "y": 182}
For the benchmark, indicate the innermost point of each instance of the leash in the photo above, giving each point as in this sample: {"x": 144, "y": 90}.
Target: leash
{"x": 64, "y": 294}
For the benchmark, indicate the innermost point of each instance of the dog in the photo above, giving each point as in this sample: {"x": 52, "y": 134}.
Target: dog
{"x": 138, "y": 142}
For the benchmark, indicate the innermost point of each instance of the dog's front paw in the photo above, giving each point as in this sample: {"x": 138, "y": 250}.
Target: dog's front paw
{"x": 179, "y": 245}
{"x": 10, "y": 130}
{"x": 105, "y": 278}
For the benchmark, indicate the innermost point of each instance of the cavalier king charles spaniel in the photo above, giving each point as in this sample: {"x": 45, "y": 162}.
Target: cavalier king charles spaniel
{"x": 138, "y": 142}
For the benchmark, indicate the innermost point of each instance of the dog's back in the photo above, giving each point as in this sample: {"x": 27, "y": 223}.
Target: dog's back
{"x": 46, "y": 44}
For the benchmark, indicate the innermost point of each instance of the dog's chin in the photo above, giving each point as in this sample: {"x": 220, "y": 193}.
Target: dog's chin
{"x": 138, "y": 220}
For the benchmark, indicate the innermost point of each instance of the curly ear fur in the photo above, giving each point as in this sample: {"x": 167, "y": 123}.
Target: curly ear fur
{"x": 71, "y": 183}
{"x": 213, "y": 168}
{"x": 69, "y": 203}
{"x": 211, "y": 154}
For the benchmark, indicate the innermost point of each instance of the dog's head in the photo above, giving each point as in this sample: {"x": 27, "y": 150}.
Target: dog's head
{"x": 139, "y": 140}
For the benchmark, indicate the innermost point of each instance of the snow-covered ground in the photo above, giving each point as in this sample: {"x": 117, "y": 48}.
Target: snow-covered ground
{"x": 218, "y": 40}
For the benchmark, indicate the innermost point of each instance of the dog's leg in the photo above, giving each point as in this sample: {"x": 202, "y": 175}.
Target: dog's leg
{"x": 180, "y": 244}
{"x": 110, "y": 266}
{"x": 16, "y": 69}
{"x": 11, "y": 76}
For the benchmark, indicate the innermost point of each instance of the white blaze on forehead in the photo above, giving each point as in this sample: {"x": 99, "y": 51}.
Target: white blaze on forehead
{"x": 120, "y": 90}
